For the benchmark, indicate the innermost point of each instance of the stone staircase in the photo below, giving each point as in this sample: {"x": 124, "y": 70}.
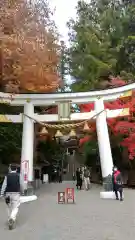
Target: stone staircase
{"x": 73, "y": 164}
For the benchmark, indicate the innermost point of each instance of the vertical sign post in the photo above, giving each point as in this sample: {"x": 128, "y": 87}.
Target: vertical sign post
{"x": 25, "y": 170}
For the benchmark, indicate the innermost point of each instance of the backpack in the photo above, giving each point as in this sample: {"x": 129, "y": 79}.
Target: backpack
{"x": 117, "y": 178}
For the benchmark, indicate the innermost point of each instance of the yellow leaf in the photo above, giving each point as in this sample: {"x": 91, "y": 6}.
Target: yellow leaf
{"x": 125, "y": 112}
{"x": 126, "y": 94}
{"x": 3, "y": 118}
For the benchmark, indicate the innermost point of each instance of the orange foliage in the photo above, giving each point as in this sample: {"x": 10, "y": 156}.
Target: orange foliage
{"x": 29, "y": 53}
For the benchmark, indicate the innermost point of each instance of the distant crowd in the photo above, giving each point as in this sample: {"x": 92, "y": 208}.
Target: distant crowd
{"x": 82, "y": 176}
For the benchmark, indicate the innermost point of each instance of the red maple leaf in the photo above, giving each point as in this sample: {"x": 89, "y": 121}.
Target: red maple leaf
{"x": 120, "y": 125}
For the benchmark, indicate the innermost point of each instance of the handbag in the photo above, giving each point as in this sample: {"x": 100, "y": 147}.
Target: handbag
{"x": 7, "y": 200}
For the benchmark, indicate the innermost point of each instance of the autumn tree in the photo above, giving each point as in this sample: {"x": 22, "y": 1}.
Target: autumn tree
{"x": 29, "y": 47}
{"x": 29, "y": 59}
{"x": 121, "y": 129}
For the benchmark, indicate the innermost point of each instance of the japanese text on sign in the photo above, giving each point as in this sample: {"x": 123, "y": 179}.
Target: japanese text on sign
{"x": 70, "y": 195}
{"x": 61, "y": 197}
{"x": 25, "y": 170}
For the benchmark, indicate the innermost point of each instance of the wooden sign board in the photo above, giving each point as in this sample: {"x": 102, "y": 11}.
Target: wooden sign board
{"x": 70, "y": 195}
{"x": 61, "y": 197}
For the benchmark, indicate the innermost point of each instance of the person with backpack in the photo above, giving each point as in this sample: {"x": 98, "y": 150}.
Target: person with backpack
{"x": 11, "y": 189}
{"x": 117, "y": 183}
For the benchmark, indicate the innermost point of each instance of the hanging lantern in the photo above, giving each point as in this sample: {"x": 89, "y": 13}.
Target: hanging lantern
{"x": 86, "y": 127}
{"x": 43, "y": 131}
{"x": 58, "y": 134}
{"x": 72, "y": 133}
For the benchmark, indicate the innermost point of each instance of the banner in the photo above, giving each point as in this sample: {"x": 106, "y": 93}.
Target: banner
{"x": 70, "y": 195}
{"x": 25, "y": 170}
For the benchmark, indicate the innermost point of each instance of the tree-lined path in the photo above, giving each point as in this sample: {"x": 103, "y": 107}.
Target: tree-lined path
{"x": 90, "y": 218}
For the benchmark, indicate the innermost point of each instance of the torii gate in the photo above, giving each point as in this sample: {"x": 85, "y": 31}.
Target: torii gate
{"x": 98, "y": 97}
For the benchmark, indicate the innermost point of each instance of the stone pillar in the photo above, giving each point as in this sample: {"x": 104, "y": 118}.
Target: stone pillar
{"x": 28, "y": 144}
{"x": 104, "y": 145}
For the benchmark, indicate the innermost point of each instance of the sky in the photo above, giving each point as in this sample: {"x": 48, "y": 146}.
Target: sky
{"x": 64, "y": 10}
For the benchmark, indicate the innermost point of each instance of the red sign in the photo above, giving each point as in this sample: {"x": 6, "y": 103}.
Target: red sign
{"x": 70, "y": 195}
{"x": 25, "y": 178}
{"x": 25, "y": 170}
{"x": 61, "y": 197}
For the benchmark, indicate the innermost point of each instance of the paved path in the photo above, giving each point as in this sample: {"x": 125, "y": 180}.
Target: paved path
{"x": 90, "y": 218}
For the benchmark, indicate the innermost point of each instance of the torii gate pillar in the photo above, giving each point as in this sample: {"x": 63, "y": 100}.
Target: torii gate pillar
{"x": 104, "y": 145}
{"x": 28, "y": 142}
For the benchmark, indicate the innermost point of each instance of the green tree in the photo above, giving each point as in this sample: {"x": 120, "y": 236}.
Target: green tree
{"x": 102, "y": 44}
{"x": 127, "y": 47}
{"x": 90, "y": 150}
{"x": 10, "y": 142}
{"x": 101, "y": 37}
{"x": 52, "y": 151}
{"x": 63, "y": 68}
{"x": 10, "y": 136}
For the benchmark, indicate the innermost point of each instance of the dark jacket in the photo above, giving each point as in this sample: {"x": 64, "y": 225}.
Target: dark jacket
{"x": 12, "y": 184}
{"x": 79, "y": 178}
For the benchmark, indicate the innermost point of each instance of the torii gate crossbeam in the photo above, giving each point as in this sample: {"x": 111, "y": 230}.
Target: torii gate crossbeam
{"x": 98, "y": 97}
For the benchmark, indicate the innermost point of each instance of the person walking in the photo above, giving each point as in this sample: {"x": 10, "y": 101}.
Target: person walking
{"x": 79, "y": 178}
{"x": 60, "y": 176}
{"x": 37, "y": 178}
{"x": 73, "y": 176}
{"x": 86, "y": 178}
{"x": 117, "y": 183}
{"x": 11, "y": 189}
